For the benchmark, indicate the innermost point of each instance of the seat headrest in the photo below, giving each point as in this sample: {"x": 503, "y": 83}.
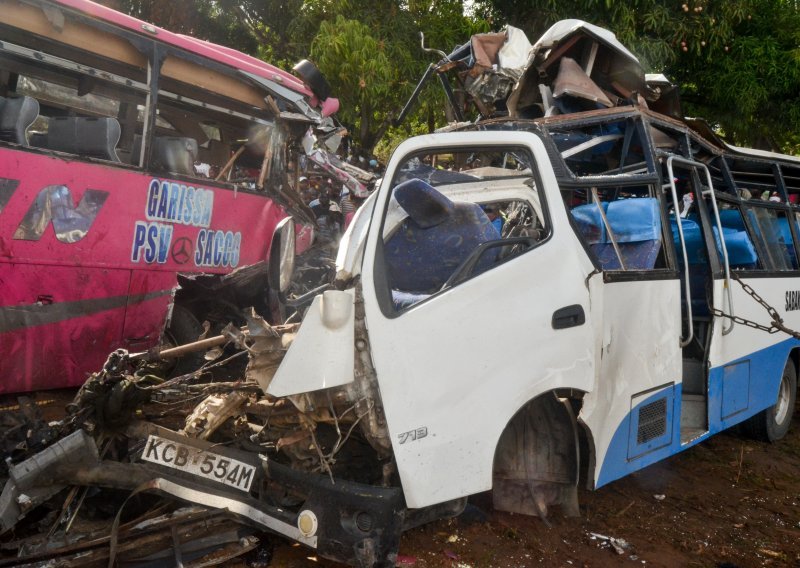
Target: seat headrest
{"x": 16, "y": 115}
{"x": 590, "y": 223}
{"x": 635, "y": 220}
{"x": 86, "y": 136}
{"x": 426, "y": 206}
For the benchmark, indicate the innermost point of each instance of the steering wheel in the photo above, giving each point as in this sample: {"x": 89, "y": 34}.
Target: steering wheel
{"x": 465, "y": 269}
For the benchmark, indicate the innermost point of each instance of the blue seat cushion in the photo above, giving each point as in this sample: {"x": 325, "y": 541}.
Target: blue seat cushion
{"x": 741, "y": 252}
{"x": 590, "y": 223}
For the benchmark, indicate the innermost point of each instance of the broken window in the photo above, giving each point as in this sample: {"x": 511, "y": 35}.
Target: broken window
{"x": 456, "y": 215}
{"x": 606, "y": 148}
{"x": 791, "y": 181}
{"x": 773, "y": 237}
{"x": 739, "y": 244}
{"x": 71, "y": 108}
{"x": 195, "y": 141}
{"x": 754, "y": 179}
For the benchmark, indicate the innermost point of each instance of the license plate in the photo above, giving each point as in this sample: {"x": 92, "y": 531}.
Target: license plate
{"x": 202, "y": 463}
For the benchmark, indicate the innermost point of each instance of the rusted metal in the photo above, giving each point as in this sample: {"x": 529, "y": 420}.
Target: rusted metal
{"x": 201, "y": 345}
{"x": 573, "y": 81}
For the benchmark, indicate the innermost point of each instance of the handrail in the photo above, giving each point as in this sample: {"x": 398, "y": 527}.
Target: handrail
{"x": 611, "y": 236}
{"x": 709, "y": 192}
{"x": 728, "y": 288}
{"x": 690, "y": 335}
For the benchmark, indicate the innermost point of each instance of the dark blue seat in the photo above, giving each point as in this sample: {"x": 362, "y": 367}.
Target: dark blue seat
{"x": 741, "y": 252}
{"x": 786, "y": 239}
{"x": 774, "y": 233}
{"x": 590, "y": 223}
{"x": 731, "y": 219}
{"x": 435, "y": 238}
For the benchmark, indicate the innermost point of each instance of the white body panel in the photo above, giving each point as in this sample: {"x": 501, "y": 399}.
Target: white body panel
{"x": 321, "y": 356}
{"x": 639, "y": 351}
{"x": 461, "y": 364}
{"x": 743, "y": 340}
{"x": 351, "y": 247}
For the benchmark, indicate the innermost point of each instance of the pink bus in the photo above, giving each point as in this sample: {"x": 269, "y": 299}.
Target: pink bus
{"x": 128, "y": 154}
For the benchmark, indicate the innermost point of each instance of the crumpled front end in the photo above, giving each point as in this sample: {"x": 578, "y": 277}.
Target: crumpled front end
{"x": 296, "y": 443}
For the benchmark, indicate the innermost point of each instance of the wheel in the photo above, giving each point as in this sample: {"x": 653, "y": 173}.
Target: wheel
{"x": 773, "y": 423}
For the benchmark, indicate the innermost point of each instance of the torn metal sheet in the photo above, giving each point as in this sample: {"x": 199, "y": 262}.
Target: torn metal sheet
{"x": 573, "y": 81}
{"x": 327, "y": 333}
{"x": 349, "y": 176}
{"x": 504, "y": 75}
{"x": 195, "y": 535}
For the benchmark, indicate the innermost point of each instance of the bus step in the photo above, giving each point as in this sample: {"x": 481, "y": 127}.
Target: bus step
{"x": 694, "y": 416}
{"x": 694, "y": 376}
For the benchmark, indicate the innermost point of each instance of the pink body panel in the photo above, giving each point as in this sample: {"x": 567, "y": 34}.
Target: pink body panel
{"x": 89, "y": 254}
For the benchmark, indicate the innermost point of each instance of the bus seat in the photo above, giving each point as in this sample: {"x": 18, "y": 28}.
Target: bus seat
{"x": 695, "y": 247}
{"x": 732, "y": 219}
{"x": 16, "y": 115}
{"x": 175, "y": 154}
{"x": 636, "y": 224}
{"x": 85, "y": 136}
{"x": 741, "y": 252}
{"x": 590, "y": 223}
{"x": 435, "y": 238}
{"x": 699, "y": 271}
{"x": 786, "y": 238}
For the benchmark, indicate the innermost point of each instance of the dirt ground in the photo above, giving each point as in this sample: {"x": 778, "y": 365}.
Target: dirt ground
{"x": 729, "y": 502}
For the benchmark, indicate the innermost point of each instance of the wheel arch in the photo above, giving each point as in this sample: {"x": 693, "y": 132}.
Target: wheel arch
{"x": 540, "y": 454}
{"x": 794, "y": 356}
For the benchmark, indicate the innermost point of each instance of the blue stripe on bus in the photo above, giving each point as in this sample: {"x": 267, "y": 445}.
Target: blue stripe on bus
{"x": 731, "y": 400}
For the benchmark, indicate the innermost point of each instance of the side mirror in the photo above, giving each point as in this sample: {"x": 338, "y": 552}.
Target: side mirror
{"x": 281, "y": 257}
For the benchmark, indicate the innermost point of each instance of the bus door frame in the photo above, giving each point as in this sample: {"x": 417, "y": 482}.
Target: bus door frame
{"x": 708, "y": 191}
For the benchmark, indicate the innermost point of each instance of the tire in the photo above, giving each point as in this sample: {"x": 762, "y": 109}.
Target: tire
{"x": 314, "y": 78}
{"x": 772, "y": 424}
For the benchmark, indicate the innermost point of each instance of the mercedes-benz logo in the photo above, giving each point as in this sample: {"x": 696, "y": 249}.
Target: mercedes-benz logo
{"x": 182, "y": 250}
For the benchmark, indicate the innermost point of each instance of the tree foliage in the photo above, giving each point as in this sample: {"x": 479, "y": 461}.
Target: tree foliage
{"x": 737, "y": 61}
{"x": 206, "y": 19}
{"x": 377, "y": 79}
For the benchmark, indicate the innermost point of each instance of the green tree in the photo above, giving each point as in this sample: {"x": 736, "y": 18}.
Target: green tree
{"x": 737, "y": 60}
{"x": 368, "y": 49}
{"x": 375, "y": 81}
{"x": 272, "y": 25}
{"x": 349, "y": 55}
{"x": 205, "y": 19}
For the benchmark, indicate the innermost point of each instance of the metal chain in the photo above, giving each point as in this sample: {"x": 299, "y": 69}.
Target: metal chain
{"x": 777, "y": 320}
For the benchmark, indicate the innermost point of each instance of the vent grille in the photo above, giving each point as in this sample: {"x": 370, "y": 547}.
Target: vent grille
{"x": 652, "y": 421}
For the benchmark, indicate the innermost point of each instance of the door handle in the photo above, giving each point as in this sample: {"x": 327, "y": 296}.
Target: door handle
{"x": 569, "y": 316}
